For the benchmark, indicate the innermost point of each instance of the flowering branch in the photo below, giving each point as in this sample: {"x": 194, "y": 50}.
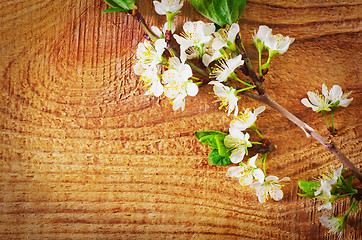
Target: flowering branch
{"x": 167, "y": 71}
{"x": 327, "y": 143}
{"x": 264, "y": 97}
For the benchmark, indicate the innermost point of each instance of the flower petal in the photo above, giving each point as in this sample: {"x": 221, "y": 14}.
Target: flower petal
{"x": 276, "y": 193}
{"x": 159, "y": 8}
{"x": 233, "y": 31}
{"x": 259, "y": 110}
{"x": 259, "y": 175}
{"x": 192, "y": 89}
{"x": 252, "y": 161}
{"x": 235, "y": 172}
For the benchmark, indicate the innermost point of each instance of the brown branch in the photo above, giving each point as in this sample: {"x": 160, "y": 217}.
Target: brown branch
{"x": 327, "y": 143}
{"x": 264, "y": 97}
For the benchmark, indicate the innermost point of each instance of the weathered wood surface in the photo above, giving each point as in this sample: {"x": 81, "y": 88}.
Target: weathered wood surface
{"x": 85, "y": 155}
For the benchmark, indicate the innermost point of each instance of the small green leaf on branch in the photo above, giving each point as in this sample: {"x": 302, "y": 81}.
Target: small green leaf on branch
{"x": 308, "y": 187}
{"x": 120, "y": 5}
{"x": 216, "y": 159}
{"x": 220, "y": 12}
{"x": 354, "y": 206}
{"x": 220, "y": 153}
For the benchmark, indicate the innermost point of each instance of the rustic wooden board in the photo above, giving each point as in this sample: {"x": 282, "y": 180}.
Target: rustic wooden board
{"x": 85, "y": 155}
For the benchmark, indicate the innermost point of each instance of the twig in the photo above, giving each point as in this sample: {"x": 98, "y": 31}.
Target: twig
{"x": 264, "y": 97}
{"x": 327, "y": 143}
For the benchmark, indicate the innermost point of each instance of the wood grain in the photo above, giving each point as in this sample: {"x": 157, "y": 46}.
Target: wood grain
{"x": 85, "y": 155}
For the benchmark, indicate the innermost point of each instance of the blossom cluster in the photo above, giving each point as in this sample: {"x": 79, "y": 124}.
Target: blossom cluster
{"x": 274, "y": 43}
{"x": 172, "y": 75}
{"x": 249, "y": 174}
{"x": 330, "y": 187}
{"x": 324, "y": 195}
{"x": 164, "y": 76}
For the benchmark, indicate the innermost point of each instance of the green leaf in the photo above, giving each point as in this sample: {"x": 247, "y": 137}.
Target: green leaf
{"x": 309, "y": 194}
{"x": 110, "y": 10}
{"x": 220, "y": 11}
{"x": 199, "y": 135}
{"x": 223, "y": 150}
{"x": 215, "y": 140}
{"x": 112, "y": 3}
{"x": 354, "y": 206}
{"x": 309, "y": 186}
{"x": 349, "y": 181}
{"x": 210, "y": 140}
{"x": 125, "y": 5}
{"x": 216, "y": 159}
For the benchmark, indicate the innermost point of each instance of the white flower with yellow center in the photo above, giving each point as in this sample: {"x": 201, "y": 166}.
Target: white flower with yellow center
{"x": 247, "y": 119}
{"x": 334, "y": 224}
{"x": 317, "y": 102}
{"x": 325, "y": 202}
{"x": 152, "y": 81}
{"x": 226, "y": 96}
{"x": 336, "y": 94}
{"x": 225, "y": 36}
{"x": 240, "y": 143}
{"x": 177, "y": 83}
{"x": 323, "y": 193}
{"x": 247, "y": 173}
{"x": 196, "y": 35}
{"x": 138, "y": 69}
{"x": 277, "y": 44}
{"x": 271, "y": 187}
{"x": 171, "y": 6}
{"x": 327, "y": 181}
{"x": 259, "y": 38}
{"x": 226, "y": 68}
{"x": 210, "y": 53}
{"x": 149, "y": 55}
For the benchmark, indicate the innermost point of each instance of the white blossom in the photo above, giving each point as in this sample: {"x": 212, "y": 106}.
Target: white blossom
{"x": 196, "y": 34}
{"x": 240, "y": 142}
{"x": 223, "y": 36}
{"x": 152, "y": 80}
{"x": 334, "y": 224}
{"x": 177, "y": 83}
{"x": 171, "y": 6}
{"x": 259, "y": 38}
{"x": 247, "y": 119}
{"x": 210, "y": 53}
{"x": 336, "y": 94}
{"x": 323, "y": 102}
{"x": 226, "y": 68}
{"x": 278, "y": 43}
{"x": 247, "y": 173}
{"x": 226, "y": 96}
{"x": 271, "y": 187}
{"x": 327, "y": 181}
{"x": 149, "y": 55}
{"x": 317, "y": 102}
{"x": 325, "y": 202}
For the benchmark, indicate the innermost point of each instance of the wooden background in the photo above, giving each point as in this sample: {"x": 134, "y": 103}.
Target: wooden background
{"x": 85, "y": 155}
